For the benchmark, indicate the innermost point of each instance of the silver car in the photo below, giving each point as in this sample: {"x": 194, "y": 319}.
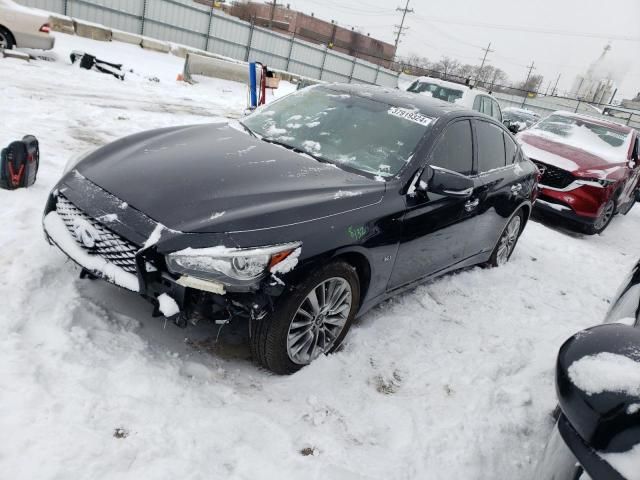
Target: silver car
{"x": 24, "y": 27}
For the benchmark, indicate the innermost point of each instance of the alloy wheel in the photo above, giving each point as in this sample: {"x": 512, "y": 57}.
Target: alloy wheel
{"x": 508, "y": 240}
{"x": 605, "y": 216}
{"x": 319, "y": 320}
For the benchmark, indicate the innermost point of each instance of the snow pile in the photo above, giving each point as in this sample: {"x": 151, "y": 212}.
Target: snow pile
{"x": 167, "y": 305}
{"x": 606, "y": 372}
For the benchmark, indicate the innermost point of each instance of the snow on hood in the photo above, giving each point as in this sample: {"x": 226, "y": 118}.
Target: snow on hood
{"x": 562, "y": 155}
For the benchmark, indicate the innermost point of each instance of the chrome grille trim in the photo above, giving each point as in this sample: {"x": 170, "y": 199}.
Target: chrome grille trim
{"x": 108, "y": 245}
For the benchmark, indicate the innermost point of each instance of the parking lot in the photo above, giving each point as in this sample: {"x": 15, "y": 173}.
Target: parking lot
{"x": 451, "y": 380}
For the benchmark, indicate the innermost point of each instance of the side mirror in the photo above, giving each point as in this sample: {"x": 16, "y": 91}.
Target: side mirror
{"x": 511, "y": 126}
{"x": 445, "y": 182}
{"x": 599, "y": 416}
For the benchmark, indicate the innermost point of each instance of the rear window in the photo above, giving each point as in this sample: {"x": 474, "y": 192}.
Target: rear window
{"x": 609, "y": 143}
{"x": 436, "y": 91}
{"x": 491, "y": 151}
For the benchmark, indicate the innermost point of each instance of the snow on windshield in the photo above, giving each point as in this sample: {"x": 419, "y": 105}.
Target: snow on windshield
{"x": 606, "y": 142}
{"x": 434, "y": 90}
{"x": 348, "y": 130}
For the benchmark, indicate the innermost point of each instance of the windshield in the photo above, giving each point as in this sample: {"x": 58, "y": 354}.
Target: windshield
{"x": 350, "y": 131}
{"x": 436, "y": 91}
{"x": 609, "y": 143}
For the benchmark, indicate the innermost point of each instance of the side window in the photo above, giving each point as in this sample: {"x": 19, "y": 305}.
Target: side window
{"x": 497, "y": 114}
{"x": 454, "y": 150}
{"x": 477, "y": 104}
{"x": 510, "y": 148}
{"x": 486, "y": 106}
{"x": 491, "y": 152}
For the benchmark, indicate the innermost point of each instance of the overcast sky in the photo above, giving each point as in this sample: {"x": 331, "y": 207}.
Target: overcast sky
{"x": 560, "y": 36}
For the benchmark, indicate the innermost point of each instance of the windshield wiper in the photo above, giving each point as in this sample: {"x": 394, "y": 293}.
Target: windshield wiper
{"x": 248, "y": 130}
{"x": 295, "y": 149}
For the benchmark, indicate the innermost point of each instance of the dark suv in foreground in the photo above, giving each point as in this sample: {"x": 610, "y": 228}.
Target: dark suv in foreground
{"x": 306, "y": 214}
{"x": 597, "y": 432}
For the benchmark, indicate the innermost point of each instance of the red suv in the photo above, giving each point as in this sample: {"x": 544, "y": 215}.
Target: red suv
{"x": 589, "y": 168}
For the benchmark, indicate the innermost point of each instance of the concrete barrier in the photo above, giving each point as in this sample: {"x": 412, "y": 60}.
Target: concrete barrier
{"x": 126, "y": 37}
{"x": 61, "y": 23}
{"x": 92, "y": 30}
{"x": 157, "y": 45}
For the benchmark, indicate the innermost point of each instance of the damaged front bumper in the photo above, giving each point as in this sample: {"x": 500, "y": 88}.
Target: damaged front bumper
{"x": 111, "y": 240}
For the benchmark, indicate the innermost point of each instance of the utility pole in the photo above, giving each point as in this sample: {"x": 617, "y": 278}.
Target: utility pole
{"x": 487, "y": 51}
{"x": 555, "y": 87}
{"x": 531, "y": 69}
{"x": 273, "y": 12}
{"x": 401, "y": 27}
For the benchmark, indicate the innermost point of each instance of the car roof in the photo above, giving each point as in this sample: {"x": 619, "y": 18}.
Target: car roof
{"x": 596, "y": 120}
{"x": 428, "y": 106}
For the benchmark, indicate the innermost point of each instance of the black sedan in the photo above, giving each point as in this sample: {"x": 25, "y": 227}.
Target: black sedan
{"x": 299, "y": 218}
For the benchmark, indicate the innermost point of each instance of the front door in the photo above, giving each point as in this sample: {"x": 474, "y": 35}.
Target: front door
{"x": 435, "y": 228}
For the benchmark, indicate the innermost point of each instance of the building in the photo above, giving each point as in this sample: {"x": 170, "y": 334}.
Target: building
{"x": 311, "y": 29}
{"x": 597, "y": 84}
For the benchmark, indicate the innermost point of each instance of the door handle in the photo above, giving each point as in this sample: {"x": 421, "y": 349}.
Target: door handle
{"x": 516, "y": 188}
{"x": 471, "y": 204}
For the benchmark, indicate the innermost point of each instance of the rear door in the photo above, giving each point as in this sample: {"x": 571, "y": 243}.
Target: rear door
{"x": 436, "y": 228}
{"x": 501, "y": 190}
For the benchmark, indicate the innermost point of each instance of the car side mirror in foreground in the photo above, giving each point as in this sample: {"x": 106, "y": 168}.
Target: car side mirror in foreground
{"x": 445, "y": 182}
{"x": 511, "y": 126}
{"x": 596, "y": 382}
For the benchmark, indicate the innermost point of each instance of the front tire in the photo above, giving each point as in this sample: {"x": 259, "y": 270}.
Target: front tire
{"x": 309, "y": 321}
{"x": 6, "y": 39}
{"x": 507, "y": 241}
{"x": 603, "y": 221}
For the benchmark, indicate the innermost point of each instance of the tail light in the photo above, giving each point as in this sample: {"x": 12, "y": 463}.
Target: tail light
{"x": 46, "y": 28}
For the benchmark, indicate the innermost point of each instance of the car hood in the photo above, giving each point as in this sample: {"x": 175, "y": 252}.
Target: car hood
{"x": 561, "y": 155}
{"x": 216, "y": 178}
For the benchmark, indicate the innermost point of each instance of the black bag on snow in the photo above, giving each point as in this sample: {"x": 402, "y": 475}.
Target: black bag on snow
{"x": 19, "y": 163}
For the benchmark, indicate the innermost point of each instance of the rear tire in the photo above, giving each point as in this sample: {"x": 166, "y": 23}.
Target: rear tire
{"x": 507, "y": 241}
{"x": 296, "y": 333}
{"x": 6, "y": 39}
{"x": 603, "y": 221}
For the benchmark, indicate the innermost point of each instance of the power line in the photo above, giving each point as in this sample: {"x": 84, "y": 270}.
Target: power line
{"x": 401, "y": 27}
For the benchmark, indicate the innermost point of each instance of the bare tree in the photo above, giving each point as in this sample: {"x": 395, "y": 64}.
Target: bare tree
{"x": 447, "y": 66}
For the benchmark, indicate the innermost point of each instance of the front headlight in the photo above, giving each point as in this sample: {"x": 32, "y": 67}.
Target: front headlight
{"x": 231, "y": 266}
{"x": 596, "y": 182}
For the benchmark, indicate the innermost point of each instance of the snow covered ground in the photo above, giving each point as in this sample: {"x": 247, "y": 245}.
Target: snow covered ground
{"x": 452, "y": 380}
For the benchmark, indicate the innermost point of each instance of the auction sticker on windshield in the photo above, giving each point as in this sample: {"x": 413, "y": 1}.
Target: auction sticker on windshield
{"x": 410, "y": 115}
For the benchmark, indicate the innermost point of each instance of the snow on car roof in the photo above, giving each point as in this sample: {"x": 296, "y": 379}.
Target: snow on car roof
{"x": 428, "y": 106}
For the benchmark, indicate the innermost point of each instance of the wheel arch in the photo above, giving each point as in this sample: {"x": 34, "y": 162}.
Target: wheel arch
{"x": 360, "y": 261}
{"x": 8, "y": 30}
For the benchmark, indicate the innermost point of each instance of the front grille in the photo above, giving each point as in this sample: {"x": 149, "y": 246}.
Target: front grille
{"x": 95, "y": 238}
{"x": 553, "y": 176}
